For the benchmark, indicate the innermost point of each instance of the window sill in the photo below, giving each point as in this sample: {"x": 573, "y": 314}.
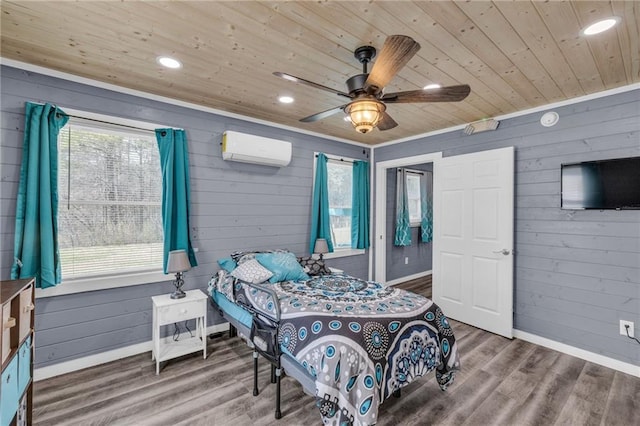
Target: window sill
{"x": 102, "y": 283}
{"x": 344, "y": 253}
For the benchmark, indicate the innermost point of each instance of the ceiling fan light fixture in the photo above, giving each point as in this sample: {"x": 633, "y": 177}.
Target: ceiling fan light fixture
{"x": 365, "y": 114}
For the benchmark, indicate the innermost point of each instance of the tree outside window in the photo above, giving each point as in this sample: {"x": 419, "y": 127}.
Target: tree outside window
{"x": 110, "y": 194}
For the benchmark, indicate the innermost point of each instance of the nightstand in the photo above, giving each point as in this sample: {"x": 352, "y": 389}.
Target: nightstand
{"x": 168, "y": 311}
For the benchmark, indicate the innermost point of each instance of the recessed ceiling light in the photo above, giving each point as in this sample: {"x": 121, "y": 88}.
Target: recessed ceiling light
{"x": 431, "y": 86}
{"x": 600, "y": 26}
{"x": 285, "y": 99}
{"x": 168, "y": 62}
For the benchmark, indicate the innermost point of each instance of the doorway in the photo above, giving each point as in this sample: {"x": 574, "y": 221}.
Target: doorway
{"x": 472, "y": 236}
{"x": 383, "y": 232}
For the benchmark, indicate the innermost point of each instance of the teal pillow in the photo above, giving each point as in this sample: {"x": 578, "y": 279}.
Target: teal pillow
{"x": 227, "y": 263}
{"x": 284, "y": 266}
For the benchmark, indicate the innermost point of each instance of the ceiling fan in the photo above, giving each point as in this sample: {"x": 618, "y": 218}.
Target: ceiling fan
{"x": 367, "y": 108}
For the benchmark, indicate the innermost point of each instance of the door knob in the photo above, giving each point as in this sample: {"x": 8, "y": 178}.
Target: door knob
{"x": 503, "y": 251}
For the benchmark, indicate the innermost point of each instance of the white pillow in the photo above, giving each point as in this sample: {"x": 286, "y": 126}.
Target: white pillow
{"x": 252, "y": 271}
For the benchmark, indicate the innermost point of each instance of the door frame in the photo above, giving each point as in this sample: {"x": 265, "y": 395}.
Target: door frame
{"x": 380, "y": 233}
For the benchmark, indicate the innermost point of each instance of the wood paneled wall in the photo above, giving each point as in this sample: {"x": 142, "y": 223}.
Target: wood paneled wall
{"x": 234, "y": 207}
{"x": 577, "y": 273}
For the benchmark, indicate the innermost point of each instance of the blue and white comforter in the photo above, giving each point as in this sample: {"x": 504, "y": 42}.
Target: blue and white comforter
{"x": 360, "y": 340}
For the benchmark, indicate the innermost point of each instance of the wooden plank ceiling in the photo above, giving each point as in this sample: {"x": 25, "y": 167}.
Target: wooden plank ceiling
{"x": 514, "y": 55}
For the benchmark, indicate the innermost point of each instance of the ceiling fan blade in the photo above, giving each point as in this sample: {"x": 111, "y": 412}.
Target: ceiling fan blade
{"x": 396, "y": 52}
{"x": 386, "y": 122}
{"x": 309, "y": 83}
{"x": 443, "y": 94}
{"x": 323, "y": 114}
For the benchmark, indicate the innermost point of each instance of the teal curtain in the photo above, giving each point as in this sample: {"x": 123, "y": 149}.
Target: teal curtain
{"x": 403, "y": 225}
{"x": 426, "y": 209}
{"x": 174, "y": 161}
{"x": 36, "y": 251}
{"x": 360, "y": 206}
{"x": 320, "y": 221}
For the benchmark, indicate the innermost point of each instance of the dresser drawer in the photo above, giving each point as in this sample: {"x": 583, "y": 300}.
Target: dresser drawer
{"x": 181, "y": 311}
{"x": 26, "y": 307}
{"x": 24, "y": 365}
{"x": 8, "y": 322}
{"x": 9, "y": 392}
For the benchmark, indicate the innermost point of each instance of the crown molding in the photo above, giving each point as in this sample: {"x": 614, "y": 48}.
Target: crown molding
{"x": 119, "y": 89}
{"x": 585, "y": 98}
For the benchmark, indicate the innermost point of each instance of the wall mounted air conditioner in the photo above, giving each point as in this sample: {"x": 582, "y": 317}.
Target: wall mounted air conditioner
{"x": 255, "y": 149}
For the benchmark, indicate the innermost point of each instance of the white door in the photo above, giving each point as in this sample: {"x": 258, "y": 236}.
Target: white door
{"x": 473, "y": 239}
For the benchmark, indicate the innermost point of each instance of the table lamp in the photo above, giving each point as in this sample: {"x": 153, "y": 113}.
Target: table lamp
{"x": 321, "y": 247}
{"x": 178, "y": 263}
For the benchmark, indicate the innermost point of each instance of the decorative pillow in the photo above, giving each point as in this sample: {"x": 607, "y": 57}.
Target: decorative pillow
{"x": 284, "y": 266}
{"x": 222, "y": 282}
{"x": 227, "y": 263}
{"x": 313, "y": 266}
{"x": 252, "y": 271}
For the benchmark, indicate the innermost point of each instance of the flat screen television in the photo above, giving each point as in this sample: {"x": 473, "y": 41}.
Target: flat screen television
{"x": 601, "y": 185}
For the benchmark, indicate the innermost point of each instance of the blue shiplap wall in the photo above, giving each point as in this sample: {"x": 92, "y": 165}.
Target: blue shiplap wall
{"x": 234, "y": 207}
{"x": 577, "y": 273}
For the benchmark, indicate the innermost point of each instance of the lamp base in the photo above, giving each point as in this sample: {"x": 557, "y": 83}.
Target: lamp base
{"x": 178, "y": 294}
{"x": 179, "y": 282}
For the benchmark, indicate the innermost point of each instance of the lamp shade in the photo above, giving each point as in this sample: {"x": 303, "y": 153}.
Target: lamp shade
{"x": 178, "y": 261}
{"x": 321, "y": 246}
{"x": 365, "y": 113}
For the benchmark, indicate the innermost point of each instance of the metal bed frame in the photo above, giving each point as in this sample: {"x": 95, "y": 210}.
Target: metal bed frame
{"x": 283, "y": 363}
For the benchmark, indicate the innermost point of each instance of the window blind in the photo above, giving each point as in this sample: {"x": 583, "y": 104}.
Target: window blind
{"x": 340, "y": 185}
{"x": 110, "y": 194}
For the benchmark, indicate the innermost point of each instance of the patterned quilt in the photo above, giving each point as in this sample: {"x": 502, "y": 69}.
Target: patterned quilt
{"x": 360, "y": 340}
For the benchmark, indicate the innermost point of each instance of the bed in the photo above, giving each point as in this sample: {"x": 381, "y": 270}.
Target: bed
{"x": 351, "y": 343}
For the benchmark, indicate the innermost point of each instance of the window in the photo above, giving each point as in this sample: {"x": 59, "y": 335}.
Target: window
{"x": 340, "y": 185}
{"x": 110, "y": 196}
{"x": 413, "y": 197}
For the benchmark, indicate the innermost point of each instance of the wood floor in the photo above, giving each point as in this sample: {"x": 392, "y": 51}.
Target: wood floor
{"x": 502, "y": 382}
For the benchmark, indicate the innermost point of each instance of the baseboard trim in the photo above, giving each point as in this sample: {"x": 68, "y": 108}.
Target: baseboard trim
{"x": 605, "y": 361}
{"x": 408, "y": 278}
{"x": 104, "y": 357}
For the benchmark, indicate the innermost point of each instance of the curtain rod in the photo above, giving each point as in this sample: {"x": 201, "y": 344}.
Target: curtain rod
{"x": 100, "y": 121}
{"x": 340, "y": 159}
{"x": 411, "y": 171}
{"x": 108, "y": 122}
